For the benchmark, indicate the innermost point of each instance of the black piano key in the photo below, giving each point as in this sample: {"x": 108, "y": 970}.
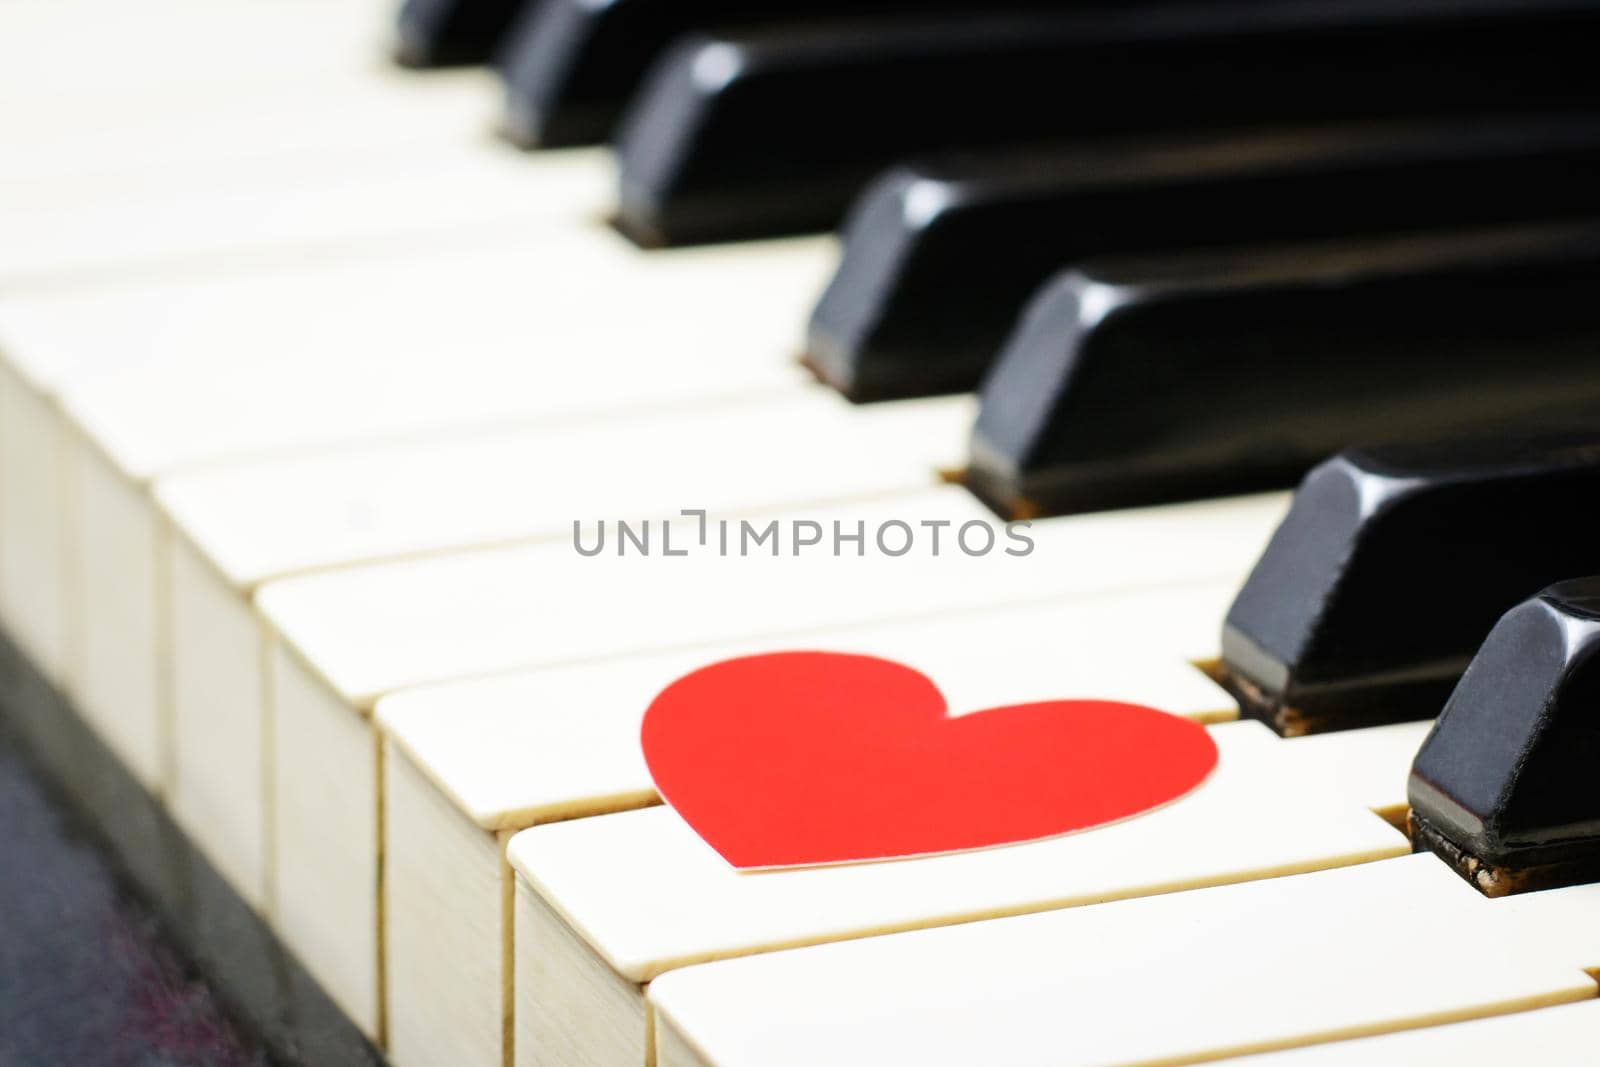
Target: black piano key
{"x": 1141, "y": 380}
{"x": 449, "y": 33}
{"x": 572, "y": 65}
{"x": 760, "y": 134}
{"x": 938, "y": 259}
{"x": 1504, "y": 786}
{"x": 1393, "y": 565}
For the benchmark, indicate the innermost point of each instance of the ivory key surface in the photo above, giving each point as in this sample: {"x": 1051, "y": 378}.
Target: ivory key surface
{"x": 1182, "y": 978}
{"x": 1561, "y": 1036}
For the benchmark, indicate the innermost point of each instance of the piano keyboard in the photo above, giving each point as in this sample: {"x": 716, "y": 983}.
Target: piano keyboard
{"x": 363, "y": 480}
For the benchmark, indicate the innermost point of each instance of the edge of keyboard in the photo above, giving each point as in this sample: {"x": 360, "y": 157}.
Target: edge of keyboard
{"x": 234, "y": 949}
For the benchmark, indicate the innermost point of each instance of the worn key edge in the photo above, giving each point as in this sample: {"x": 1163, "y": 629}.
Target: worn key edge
{"x": 1360, "y": 704}
{"x": 1498, "y": 879}
{"x": 1502, "y": 788}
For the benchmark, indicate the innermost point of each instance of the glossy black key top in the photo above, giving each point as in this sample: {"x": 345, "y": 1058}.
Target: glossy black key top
{"x": 1136, "y": 381}
{"x": 572, "y": 65}
{"x": 448, "y": 33}
{"x": 762, "y": 134}
{"x": 938, "y": 259}
{"x": 1392, "y": 566}
{"x": 1504, "y": 787}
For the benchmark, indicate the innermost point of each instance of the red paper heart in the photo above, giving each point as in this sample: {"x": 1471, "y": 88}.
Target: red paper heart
{"x": 804, "y": 758}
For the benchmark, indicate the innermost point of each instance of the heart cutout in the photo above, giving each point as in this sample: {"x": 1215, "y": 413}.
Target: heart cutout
{"x": 797, "y": 759}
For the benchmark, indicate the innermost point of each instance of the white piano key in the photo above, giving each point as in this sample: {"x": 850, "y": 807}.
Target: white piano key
{"x": 331, "y": 924}
{"x": 118, "y": 671}
{"x": 216, "y": 779}
{"x": 388, "y": 158}
{"x": 128, "y": 58}
{"x": 454, "y": 892}
{"x": 450, "y": 336}
{"x": 33, "y": 527}
{"x": 350, "y": 636}
{"x": 1173, "y": 979}
{"x": 498, "y": 744}
{"x": 80, "y": 148}
{"x": 377, "y": 628}
{"x": 273, "y": 517}
{"x": 505, "y": 316}
{"x": 468, "y": 762}
{"x": 240, "y": 525}
{"x": 517, "y": 327}
{"x": 368, "y": 206}
{"x": 644, "y": 895}
{"x": 112, "y": 182}
{"x": 1561, "y": 1036}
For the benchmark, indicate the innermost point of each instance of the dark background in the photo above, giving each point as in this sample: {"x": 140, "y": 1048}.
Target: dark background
{"x": 87, "y": 975}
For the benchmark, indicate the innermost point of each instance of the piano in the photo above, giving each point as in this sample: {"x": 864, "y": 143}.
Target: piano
{"x": 394, "y": 403}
